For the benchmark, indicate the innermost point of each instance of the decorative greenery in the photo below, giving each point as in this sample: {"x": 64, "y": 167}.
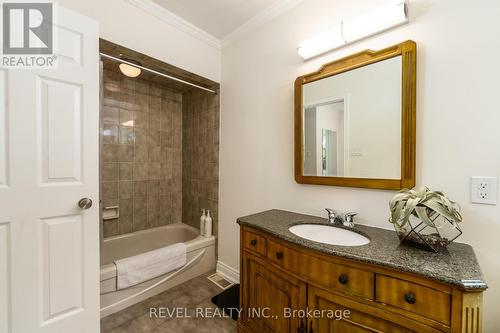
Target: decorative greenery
{"x": 423, "y": 204}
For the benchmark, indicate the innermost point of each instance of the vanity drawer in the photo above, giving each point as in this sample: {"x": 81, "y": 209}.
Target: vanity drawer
{"x": 322, "y": 272}
{"x": 428, "y": 302}
{"x": 254, "y": 242}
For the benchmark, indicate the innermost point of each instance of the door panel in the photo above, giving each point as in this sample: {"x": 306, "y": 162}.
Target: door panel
{"x": 62, "y": 282}
{"x": 362, "y": 318}
{"x": 61, "y": 108}
{"x": 272, "y": 292}
{"x": 4, "y": 277}
{"x": 275, "y": 294}
{"x": 48, "y": 162}
{"x": 70, "y": 45}
{"x": 4, "y": 127}
{"x": 358, "y": 322}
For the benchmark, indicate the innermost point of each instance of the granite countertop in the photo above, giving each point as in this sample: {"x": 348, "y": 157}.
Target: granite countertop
{"x": 457, "y": 265}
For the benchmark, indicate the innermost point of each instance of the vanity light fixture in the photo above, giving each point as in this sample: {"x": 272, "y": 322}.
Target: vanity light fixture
{"x": 329, "y": 40}
{"x": 371, "y": 23}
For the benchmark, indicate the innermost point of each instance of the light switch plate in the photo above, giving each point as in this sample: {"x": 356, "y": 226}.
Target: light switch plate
{"x": 483, "y": 190}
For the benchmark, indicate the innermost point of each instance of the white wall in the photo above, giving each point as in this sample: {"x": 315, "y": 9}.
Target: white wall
{"x": 126, "y": 25}
{"x": 457, "y": 126}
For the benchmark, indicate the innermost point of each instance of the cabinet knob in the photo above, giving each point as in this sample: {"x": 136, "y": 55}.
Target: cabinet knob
{"x": 410, "y": 298}
{"x": 343, "y": 279}
{"x": 253, "y": 242}
{"x": 279, "y": 255}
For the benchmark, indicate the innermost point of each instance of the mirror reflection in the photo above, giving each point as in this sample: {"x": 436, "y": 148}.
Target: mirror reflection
{"x": 352, "y": 123}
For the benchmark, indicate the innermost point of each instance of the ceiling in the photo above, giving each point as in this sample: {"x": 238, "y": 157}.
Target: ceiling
{"x": 217, "y": 17}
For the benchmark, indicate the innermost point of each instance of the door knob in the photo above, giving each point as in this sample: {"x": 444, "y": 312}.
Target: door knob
{"x": 85, "y": 203}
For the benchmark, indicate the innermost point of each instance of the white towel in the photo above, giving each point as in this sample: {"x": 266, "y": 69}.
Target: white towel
{"x": 148, "y": 265}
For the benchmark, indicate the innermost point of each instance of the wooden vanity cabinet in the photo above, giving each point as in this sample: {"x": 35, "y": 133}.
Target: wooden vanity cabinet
{"x": 267, "y": 292}
{"x": 362, "y": 317}
{"x": 277, "y": 275}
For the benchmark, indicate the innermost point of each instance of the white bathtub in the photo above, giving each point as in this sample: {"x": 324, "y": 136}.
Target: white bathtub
{"x": 200, "y": 259}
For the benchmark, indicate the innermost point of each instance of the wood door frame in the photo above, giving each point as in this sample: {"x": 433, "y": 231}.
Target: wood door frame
{"x": 408, "y": 51}
{"x": 344, "y": 98}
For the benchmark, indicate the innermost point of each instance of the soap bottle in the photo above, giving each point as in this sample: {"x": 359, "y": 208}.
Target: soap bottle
{"x": 203, "y": 218}
{"x": 208, "y": 225}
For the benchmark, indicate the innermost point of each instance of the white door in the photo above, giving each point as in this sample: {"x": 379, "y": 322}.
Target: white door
{"x": 49, "y": 246}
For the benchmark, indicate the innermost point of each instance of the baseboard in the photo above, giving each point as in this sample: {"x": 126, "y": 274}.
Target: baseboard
{"x": 228, "y": 272}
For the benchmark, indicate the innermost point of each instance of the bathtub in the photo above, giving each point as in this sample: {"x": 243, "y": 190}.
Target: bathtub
{"x": 200, "y": 260}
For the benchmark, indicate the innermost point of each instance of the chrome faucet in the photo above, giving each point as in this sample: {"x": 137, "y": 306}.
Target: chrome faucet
{"x": 333, "y": 218}
{"x": 347, "y": 220}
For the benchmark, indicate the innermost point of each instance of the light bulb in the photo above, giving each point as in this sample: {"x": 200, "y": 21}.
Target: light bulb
{"x": 129, "y": 70}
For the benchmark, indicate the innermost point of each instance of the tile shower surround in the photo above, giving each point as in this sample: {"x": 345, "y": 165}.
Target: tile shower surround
{"x": 160, "y": 154}
{"x": 200, "y": 169}
{"x": 142, "y": 154}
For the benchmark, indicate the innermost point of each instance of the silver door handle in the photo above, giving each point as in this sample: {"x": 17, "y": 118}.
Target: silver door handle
{"x": 85, "y": 203}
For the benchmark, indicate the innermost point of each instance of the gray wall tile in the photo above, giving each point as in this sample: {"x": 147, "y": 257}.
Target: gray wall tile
{"x": 110, "y": 190}
{"x": 126, "y": 189}
{"x": 200, "y": 154}
{"x": 132, "y": 115}
{"x": 140, "y": 188}
{"x": 125, "y": 153}
{"x": 126, "y": 171}
{"x": 110, "y": 115}
{"x": 110, "y": 171}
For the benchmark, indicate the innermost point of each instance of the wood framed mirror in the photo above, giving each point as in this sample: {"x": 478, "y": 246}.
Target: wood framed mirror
{"x": 355, "y": 121}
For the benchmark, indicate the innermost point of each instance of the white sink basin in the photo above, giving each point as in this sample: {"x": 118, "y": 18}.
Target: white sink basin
{"x": 329, "y": 235}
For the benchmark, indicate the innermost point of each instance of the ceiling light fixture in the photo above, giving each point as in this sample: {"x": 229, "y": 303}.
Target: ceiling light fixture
{"x": 376, "y": 21}
{"x": 128, "y": 69}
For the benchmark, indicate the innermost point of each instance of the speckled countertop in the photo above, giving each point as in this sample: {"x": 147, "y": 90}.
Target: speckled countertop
{"x": 457, "y": 265}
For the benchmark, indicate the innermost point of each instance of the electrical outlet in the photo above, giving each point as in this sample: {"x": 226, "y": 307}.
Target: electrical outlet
{"x": 483, "y": 190}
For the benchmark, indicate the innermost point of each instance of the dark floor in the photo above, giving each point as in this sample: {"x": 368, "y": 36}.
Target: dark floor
{"x": 195, "y": 293}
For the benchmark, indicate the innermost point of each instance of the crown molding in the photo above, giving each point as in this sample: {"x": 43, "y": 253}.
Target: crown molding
{"x": 276, "y": 9}
{"x": 165, "y": 15}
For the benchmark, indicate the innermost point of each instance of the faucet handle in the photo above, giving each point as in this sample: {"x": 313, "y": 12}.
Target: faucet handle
{"x": 349, "y": 217}
{"x": 331, "y": 212}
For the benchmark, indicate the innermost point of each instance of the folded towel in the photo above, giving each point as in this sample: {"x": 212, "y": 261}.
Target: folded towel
{"x": 148, "y": 265}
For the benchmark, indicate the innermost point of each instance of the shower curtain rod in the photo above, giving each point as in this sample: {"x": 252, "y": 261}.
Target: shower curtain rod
{"x": 156, "y": 72}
